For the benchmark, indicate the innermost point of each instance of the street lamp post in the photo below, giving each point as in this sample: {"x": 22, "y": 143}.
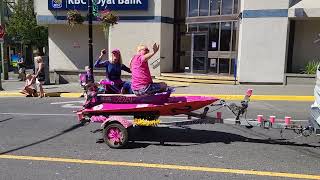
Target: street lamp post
{"x": 90, "y": 37}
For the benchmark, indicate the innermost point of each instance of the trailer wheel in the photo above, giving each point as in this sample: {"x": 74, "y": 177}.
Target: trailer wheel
{"x": 115, "y": 135}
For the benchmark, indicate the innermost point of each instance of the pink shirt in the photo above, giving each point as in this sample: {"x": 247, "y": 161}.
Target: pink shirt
{"x": 140, "y": 73}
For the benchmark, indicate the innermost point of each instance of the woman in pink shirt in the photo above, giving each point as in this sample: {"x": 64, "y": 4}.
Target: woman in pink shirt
{"x": 141, "y": 80}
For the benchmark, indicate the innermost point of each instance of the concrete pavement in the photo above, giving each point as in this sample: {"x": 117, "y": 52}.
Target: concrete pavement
{"x": 40, "y": 139}
{"x": 230, "y": 92}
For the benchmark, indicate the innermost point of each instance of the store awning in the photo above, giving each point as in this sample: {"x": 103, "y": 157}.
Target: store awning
{"x": 305, "y": 9}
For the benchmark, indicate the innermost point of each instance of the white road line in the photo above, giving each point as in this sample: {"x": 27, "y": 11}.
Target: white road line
{"x": 277, "y": 120}
{"x": 67, "y": 102}
{"x": 162, "y": 117}
{"x": 31, "y": 114}
{"x": 71, "y": 106}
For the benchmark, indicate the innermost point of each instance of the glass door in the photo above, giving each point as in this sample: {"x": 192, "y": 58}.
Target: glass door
{"x": 194, "y": 52}
{"x": 199, "y": 52}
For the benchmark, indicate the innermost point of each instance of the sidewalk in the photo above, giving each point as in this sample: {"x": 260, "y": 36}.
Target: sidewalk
{"x": 229, "y": 92}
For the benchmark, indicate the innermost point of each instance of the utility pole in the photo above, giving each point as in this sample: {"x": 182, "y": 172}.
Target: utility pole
{"x": 90, "y": 8}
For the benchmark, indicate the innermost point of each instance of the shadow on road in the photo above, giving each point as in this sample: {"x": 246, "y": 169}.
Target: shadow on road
{"x": 145, "y": 136}
{"x": 175, "y": 136}
{"x": 44, "y": 140}
{"x": 8, "y": 119}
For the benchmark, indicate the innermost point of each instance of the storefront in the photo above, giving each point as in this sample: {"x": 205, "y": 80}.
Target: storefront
{"x": 208, "y": 37}
{"x": 140, "y": 22}
{"x": 257, "y": 41}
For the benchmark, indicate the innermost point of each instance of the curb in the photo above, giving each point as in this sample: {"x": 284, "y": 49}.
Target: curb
{"x": 220, "y": 96}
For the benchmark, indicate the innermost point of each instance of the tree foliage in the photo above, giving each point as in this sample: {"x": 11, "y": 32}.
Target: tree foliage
{"x": 22, "y": 25}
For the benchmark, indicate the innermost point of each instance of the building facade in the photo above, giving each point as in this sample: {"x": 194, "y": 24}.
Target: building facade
{"x": 258, "y": 41}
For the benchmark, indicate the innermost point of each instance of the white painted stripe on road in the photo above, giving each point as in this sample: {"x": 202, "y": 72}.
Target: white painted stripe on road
{"x": 67, "y": 102}
{"x": 277, "y": 120}
{"x": 31, "y": 114}
{"x": 71, "y": 106}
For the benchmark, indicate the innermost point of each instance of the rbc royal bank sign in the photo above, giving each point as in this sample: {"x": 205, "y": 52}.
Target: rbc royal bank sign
{"x": 102, "y": 4}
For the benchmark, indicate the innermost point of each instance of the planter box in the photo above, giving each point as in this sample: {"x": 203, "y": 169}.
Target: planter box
{"x": 303, "y": 79}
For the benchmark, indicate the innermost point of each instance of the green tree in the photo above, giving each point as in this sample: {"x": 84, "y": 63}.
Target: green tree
{"x": 22, "y": 25}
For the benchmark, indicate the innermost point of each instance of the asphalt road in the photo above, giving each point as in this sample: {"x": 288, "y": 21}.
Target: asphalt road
{"x": 40, "y": 139}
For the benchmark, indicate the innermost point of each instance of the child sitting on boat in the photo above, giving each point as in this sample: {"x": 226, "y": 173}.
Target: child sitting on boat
{"x": 141, "y": 82}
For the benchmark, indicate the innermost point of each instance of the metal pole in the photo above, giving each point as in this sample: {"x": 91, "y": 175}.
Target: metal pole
{"x": 2, "y": 65}
{"x": 90, "y": 37}
{"x": 1, "y": 4}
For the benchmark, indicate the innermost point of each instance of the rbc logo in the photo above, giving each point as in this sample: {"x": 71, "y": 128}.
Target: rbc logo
{"x": 57, "y": 4}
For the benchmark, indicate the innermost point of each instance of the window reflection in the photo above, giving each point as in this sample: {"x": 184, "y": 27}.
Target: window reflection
{"x": 224, "y": 65}
{"x": 204, "y": 7}
{"x": 215, "y": 7}
{"x": 193, "y": 8}
{"x": 234, "y": 36}
{"x": 236, "y": 7}
{"x": 213, "y": 37}
{"x": 192, "y": 28}
{"x": 203, "y": 27}
{"x": 227, "y": 7}
{"x": 225, "y": 36}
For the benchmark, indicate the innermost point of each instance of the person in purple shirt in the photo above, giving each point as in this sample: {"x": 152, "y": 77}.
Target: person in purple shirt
{"x": 113, "y": 68}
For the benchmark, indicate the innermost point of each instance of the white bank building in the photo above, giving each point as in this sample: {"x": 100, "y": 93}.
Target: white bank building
{"x": 257, "y": 41}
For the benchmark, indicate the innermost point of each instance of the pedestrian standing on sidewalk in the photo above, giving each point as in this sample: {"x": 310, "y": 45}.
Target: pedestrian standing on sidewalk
{"x": 39, "y": 73}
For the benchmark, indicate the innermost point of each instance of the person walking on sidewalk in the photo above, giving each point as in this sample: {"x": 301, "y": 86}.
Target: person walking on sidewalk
{"x": 39, "y": 73}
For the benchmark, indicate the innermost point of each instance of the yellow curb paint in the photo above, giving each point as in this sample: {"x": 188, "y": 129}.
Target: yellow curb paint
{"x": 52, "y": 94}
{"x": 165, "y": 166}
{"x": 70, "y": 95}
{"x": 11, "y": 94}
{"x": 220, "y": 96}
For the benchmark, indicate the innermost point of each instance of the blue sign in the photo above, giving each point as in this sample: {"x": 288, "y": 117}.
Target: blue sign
{"x": 102, "y": 4}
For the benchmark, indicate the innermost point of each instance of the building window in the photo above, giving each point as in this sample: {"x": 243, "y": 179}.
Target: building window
{"x": 226, "y": 7}
{"x": 192, "y": 28}
{"x": 193, "y": 8}
{"x": 213, "y": 37}
{"x": 224, "y": 65}
{"x": 215, "y": 30}
{"x": 236, "y": 7}
{"x": 203, "y": 27}
{"x": 234, "y": 36}
{"x": 225, "y": 36}
{"x": 215, "y": 7}
{"x": 204, "y": 8}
